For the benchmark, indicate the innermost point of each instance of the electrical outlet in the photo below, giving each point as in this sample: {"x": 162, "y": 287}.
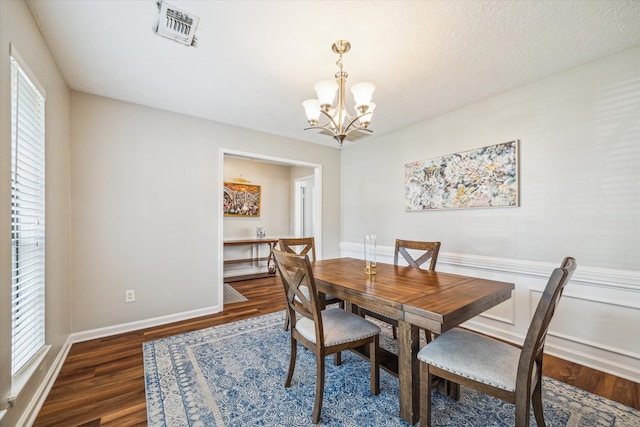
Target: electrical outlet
{"x": 130, "y": 296}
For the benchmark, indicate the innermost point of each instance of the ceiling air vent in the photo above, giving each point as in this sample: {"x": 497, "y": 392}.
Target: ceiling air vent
{"x": 176, "y": 24}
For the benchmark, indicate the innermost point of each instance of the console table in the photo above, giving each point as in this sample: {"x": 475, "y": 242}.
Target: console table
{"x": 254, "y": 270}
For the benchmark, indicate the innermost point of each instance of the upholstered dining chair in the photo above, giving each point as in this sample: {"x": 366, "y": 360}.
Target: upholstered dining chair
{"x": 494, "y": 367}
{"x": 428, "y": 251}
{"x": 304, "y": 246}
{"x": 323, "y": 332}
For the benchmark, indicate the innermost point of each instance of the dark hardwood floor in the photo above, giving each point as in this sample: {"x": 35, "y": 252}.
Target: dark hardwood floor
{"x": 102, "y": 381}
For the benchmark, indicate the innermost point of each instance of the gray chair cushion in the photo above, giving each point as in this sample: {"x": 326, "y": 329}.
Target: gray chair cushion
{"x": 339, "y": 326}
{"x": 474, "y": 356}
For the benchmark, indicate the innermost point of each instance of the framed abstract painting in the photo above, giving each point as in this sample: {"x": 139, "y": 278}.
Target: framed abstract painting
{"x": 485, "y": 177}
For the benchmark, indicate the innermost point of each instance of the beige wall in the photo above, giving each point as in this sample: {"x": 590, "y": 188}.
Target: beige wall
{"x": 275, "y": 210}
{"x": 18, "y": 28}
{"x": 579, "y": 172}
{"x": 138, "y": 191}
{"x": 146, "y": 209}
{"x": 579, "y": 135}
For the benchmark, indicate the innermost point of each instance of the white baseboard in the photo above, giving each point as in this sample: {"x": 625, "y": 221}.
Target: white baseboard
{"x": 31, "y": 411}
{"x": 142, "y": 324}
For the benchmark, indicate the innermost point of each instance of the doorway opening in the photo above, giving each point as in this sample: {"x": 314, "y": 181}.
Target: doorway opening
{"x": 304, "y": 206}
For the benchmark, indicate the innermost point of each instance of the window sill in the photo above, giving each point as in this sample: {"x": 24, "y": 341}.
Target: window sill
{"x": 22, "y": 377}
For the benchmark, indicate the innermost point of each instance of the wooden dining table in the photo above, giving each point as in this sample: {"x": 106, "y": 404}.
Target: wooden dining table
{"x": 417, "y": 299}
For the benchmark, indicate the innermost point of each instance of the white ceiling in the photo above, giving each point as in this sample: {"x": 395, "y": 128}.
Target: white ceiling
{"x": 256, "y": 61}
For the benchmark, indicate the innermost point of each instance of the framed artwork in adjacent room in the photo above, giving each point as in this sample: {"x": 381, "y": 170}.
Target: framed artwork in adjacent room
{"x": 241, "y": 199}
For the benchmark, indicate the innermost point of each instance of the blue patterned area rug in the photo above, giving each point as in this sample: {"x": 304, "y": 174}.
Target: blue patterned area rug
{"x": 233, "y": 375}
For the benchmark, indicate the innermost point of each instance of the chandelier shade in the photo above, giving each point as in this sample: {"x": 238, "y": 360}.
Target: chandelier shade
{"x": 337, "y": 121}
{"x": 365, "y": 119}
{"x": 362, "y": 93}
{"x": 326, "y": 90}
{"x": 312, "y": 109}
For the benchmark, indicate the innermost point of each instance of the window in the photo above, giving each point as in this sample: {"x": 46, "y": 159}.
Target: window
{"x": 27, "y": 218}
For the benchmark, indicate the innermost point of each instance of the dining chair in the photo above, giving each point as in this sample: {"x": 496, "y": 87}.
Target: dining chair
{"x": 494, "y": 367}
{"x": 428, "y": 252}
{"x": 323, "y": 332}
{"x": 304, "y": 246}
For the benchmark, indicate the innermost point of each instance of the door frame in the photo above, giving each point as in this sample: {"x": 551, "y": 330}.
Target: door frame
{"x": 297, "y": 205}
{"x": 317, "y": 201}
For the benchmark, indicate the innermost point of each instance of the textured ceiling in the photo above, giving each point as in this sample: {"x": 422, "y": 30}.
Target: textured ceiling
{"x": 256, "y": 61}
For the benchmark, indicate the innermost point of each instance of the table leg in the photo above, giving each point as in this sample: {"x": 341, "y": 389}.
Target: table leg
{"x": 351, "y": 307}
{"x": 271, "y": 262}
{"x": 409, "y": 371}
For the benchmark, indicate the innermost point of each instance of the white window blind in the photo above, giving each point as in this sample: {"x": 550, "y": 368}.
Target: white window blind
{"x": 27, "y": 219}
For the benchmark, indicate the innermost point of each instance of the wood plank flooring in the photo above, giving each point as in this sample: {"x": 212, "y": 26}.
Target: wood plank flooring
{"x": 102, "y": 381}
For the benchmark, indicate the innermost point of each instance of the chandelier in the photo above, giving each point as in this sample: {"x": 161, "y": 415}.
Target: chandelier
{"x": 339, "y": 123}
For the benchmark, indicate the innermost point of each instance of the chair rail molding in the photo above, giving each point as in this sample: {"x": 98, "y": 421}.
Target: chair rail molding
{"x": 599, "y": 310}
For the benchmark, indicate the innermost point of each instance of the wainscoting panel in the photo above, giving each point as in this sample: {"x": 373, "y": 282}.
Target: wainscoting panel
{"x": 596, "y": 323}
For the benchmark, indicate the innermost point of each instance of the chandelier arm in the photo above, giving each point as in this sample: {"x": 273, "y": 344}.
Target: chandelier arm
{"x": 347, "y": 129}
{"x": 358, "y": 129}
{"x": 328, "y": 129}
{"x": 351, "y": 126}
{"x": 321, "y": 128}
{"x": 330, "y": 119}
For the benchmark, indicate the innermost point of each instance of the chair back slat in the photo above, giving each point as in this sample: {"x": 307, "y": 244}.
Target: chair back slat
{"x": 431, "y": 250}
{"x": 345, "y": 330}
{"x": 533, "y": 346}
{"x": 296, "y": 276}
{"x": 299, "y": 245}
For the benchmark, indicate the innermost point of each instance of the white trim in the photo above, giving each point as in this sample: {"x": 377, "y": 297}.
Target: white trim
{"x": 317, "y": 213}
{"x": 603, "y": 364}
{"x": 220, "y": 215}
{"x": 14, "y": 53}
{"x": 591, "y": 276}
{"x": 593, "y": 344}
{"x": 31, "y": 412}
{"x": 142, "y": 324}
{"x": 298, "y": 184}
{"x": 615, "y": 292}
{"x": 24, "y": 374}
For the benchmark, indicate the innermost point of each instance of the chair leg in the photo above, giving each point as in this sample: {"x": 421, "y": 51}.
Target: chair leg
{"x": 536, "y": 399}
{"x": 453, "y": 390}
{"x": 425, "y": 395}
{"x": 286, "y": 321}
{"x": 337, "y": 358}
{"x": 292, "y": 362}
{"x": 522, "y": 410}
{"x": 317, "y": 407}
{"x": 374, "y": 361}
